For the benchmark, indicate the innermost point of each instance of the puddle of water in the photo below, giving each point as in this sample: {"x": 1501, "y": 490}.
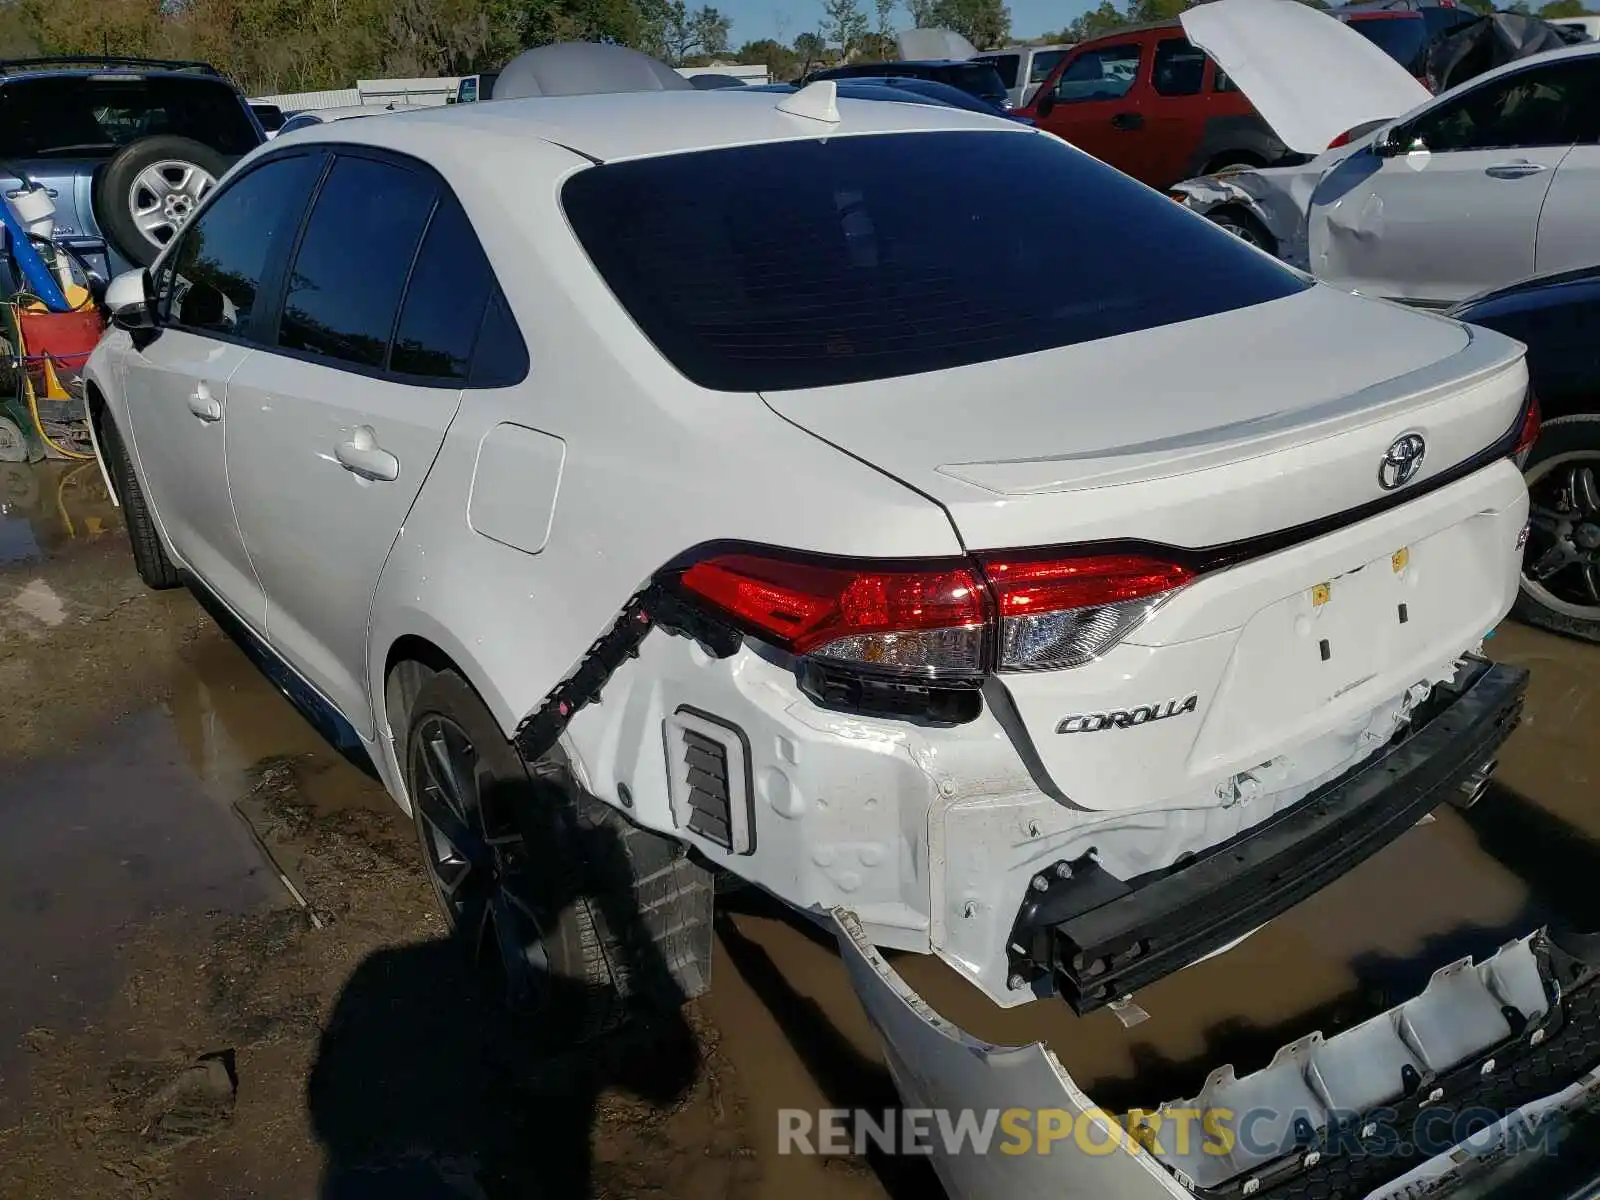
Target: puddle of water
{"x": 50, "y": 506}
{"x": 91, "y": 845}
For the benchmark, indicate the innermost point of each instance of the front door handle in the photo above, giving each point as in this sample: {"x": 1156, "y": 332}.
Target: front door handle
{"x": 1127, "y": 120}
{"x": 203, "y": 404}
{"x": 362, "y": 456}
{"x": 1514, "y": 170}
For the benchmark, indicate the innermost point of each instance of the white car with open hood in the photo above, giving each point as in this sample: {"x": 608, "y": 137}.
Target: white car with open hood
{"x": 1424, "y": 199}
{"x": 654, "y": 482}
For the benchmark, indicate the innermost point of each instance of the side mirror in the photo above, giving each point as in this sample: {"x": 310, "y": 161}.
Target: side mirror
{"x": 1392, "y": 142}
{"x": 129, "y": 299}
{"x": 1044, "y": 104}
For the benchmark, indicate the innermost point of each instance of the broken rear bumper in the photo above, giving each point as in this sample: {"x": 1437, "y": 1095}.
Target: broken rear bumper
{"x": 1096, "y": 938}
{"x": 1474, "y": 1081}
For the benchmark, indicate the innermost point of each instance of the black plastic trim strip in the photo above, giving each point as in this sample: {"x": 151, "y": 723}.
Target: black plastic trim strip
{"x": 1152, "y": 929}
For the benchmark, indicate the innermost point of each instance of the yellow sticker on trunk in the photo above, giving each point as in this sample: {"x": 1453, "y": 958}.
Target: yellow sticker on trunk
{"x": 1400, "y": 559}
{"x": 1321, "y": 594}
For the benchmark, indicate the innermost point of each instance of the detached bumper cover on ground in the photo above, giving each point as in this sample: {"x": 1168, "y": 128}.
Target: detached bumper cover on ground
{"x": 1377, "y": 1111}
{"x": 1104, "y": 938}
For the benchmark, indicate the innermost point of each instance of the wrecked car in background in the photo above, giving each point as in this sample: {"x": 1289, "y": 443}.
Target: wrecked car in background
{"x": 1407, "y": 198}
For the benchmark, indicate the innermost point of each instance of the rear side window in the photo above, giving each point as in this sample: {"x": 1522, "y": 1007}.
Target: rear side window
{"x": 1179, "y": 68}
{"x": 209, "y": 283}
{"x": 814, "y": 263}
{"x": 444, "y": 302}
{"x": 74, "y": 115}
{"x": 344, "y": 288}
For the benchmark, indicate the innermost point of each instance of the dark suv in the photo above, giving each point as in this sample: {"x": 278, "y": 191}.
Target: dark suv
{"x": 978, "y": 79}
{"x": 126, "y": 147}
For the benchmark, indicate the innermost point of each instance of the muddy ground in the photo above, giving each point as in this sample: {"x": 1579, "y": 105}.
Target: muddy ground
{"x": 223, "y": 976}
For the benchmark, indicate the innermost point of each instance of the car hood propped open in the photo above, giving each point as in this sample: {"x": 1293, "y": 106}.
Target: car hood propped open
{"x": 1310, "y": 76}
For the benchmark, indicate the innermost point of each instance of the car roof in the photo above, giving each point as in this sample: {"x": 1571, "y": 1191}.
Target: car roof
{"x": 348, "y": 110}
{"x": 614, "y": 126}
{"x": 87, "y": 66}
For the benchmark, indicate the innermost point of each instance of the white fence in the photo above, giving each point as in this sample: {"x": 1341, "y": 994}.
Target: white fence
{"x": 420, "y": 92}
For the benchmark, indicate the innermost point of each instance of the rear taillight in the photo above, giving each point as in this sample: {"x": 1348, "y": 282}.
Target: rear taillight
{"x": 1064, "y": 612}
{"x": 926, "y": 618}
{"x": 1038, "y": 611}
{"x": 1528, "y": 432}
{"x": 1342, "y": 140}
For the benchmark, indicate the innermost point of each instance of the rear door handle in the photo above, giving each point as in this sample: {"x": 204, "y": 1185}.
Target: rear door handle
{"x": 362, "y": 456}
{"x": 1127, "y": 120}
{"x": 1513, "y": 170}
{"x": 203, "y": 404}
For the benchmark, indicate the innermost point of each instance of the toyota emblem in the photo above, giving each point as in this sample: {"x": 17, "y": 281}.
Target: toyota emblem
{"x": 1401, "y": 461}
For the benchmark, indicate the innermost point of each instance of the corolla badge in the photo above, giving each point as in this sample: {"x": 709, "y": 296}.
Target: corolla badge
{"x": 1127, "y": 718}
{"x": 1401, "y": 461}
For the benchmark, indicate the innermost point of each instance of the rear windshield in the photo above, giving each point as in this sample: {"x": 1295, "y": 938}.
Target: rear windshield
{"x": 813, "y": 263}
{"x": 976, "y": 79}
{"x": 65, "y": 115}
{"x": 1401, "y": 38}
{"x": 1005, "y": 66}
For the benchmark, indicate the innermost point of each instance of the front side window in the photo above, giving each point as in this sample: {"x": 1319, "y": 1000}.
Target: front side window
{"x": 343, "y": 291}
{"x": 1547, "y": 106}
{"x": 821, "y": 262}
{"x": 209, "y": 282}
{"x": 1179, "y": 68}
{"x": 1104, "y": 74}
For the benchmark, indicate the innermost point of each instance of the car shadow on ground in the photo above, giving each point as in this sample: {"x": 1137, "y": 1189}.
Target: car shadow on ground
{"x": 847, "y": 1078}
{"x": 426, "y": 1086}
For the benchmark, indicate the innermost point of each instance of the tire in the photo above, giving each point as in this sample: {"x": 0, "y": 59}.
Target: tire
{"x": 1230, "y": 162}
{"x": 581, "y": 916}
{"x": 150, "y": 188}
{"x": 13, "y": 445}
{"x": 149, "y": 555}
{"x": 1566, "y": 446}
{"x": 1244, "y": 227}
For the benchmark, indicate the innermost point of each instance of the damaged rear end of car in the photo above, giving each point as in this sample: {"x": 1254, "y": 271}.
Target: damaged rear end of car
{"x": 1205, "y": 633}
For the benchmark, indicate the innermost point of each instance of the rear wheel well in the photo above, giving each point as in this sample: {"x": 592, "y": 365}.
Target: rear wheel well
{"x": 1243, "y": 222}
{"x": 411, "y": 662}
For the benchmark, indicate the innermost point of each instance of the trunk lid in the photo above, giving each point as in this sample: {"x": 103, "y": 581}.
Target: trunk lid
{"x": 1310, "y": 76}
{"x": 1211, "y": 433}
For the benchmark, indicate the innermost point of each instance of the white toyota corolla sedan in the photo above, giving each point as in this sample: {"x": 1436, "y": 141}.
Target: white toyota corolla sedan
{"x": 660, "y": 482}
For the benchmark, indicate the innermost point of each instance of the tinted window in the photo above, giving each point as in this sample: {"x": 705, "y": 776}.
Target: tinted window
{"x": 1548, "y": 106}
{"x": 501, "y": 356}
{"x": 811, "y": 263}
{"x": 444, "y": 300}
{"x": 1043, "y": 63}
{"x": 1104, "y": 74}
{"x": 270, "y": 116}
{"x": 1179, "y": 68}
{"x": 66, "y": 115}
{"x": 344, "y": 288}
{"x": 211, "y": 280}
{"x": 1005, "y": 65}
{"x": 976, "y": 79}
{"x": 1402, "y": 38}
{"x": 1442, "y": 20}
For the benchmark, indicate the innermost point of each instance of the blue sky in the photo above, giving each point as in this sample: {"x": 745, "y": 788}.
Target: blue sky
{"x": 783, "y": 19}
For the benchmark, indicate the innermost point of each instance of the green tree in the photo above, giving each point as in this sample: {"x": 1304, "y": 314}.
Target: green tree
{"x": 844, "y": 25}
{"x": 809, "y": 48}
{"x": 1557, "y": 9}
{"x": 711, "y": 31}
{"x": 778, "y": 59}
